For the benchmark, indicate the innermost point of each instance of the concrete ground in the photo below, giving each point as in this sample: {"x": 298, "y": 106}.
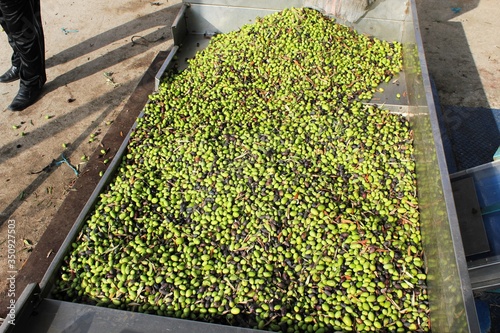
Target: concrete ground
{"x": 97, "y": 53}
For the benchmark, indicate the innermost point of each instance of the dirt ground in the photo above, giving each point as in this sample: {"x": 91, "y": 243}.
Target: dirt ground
{"x": 462, "y": 48}
{"x": 96, "y": 54}
{"x": 98, "y": 51}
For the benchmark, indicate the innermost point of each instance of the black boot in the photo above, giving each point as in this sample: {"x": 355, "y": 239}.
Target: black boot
{"x": 26, "y": 96}
{"x": 11, "y": 75}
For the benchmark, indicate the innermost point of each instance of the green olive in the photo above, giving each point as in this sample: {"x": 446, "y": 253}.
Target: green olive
{"x": 258, "y": 190}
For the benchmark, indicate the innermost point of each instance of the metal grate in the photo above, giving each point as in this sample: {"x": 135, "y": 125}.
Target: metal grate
{"x": 473, "y": 133}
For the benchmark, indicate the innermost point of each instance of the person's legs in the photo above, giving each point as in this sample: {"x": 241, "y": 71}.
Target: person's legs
{"x": 13, "y": 73}
{"x": 22, "y": 22}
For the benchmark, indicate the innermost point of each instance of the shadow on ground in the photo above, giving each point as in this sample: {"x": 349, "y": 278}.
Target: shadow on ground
{"x": 471, "y": 126}
{"x": 100, "y": 104}
{"x": 137, "y": 45}
{"x": 48, "y": 131}
{"x": 95, "y": 66}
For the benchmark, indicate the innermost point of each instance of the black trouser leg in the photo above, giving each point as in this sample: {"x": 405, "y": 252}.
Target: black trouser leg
{"x": 21, "y": 20}
{"x": 16, "y": 60}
